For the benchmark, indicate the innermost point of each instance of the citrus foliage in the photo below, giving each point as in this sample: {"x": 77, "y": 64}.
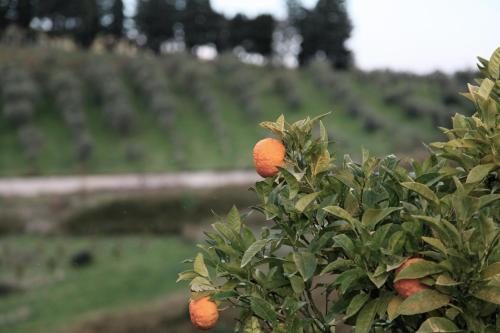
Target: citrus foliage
{"x": 343, "y": 228}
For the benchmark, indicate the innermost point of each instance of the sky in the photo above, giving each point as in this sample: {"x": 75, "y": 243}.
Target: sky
{"x": 410, "y": 35}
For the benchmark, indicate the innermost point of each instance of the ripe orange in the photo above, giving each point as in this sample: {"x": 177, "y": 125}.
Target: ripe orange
{"x": 204, "y": 313}
{"x": 268, "y": 154}
{"x": 408, "y": 287}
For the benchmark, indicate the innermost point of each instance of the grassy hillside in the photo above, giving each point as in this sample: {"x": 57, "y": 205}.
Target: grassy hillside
{"x": 125, "y": 271}
{"x": 75, "y": 112}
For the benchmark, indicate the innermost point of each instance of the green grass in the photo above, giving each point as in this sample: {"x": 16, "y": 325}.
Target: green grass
{"x": 200, "y": 144}
{"x": 127, "y": 271}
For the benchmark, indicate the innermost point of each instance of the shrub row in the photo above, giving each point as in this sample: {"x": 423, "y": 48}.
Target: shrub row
{"x": 340, "y": 91}
{"x": 285, "y": 84}
{"x": 149, "y": 78}
{"x": 195, "y": 77}
{"x": 67, "y": 91}
{"x": 112, "y": 94}
{"x": 19, "y": 95}
{"x": 242, "y": 82}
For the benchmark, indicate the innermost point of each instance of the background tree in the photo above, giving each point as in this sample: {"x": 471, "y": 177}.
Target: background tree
{"x": 238, "y": 27}
{"x": 324, "y": 29}
{"x": 112, "y": 17}
{"x": 261, "y": 31}
{"x": 77, "y": 18}
{"x": 254, "y": 35}
{"x": 19, "y": 12}
{"x": 155, "y": 19}
{"x": 201, "y": 23}
{"x": 24, "y": 13}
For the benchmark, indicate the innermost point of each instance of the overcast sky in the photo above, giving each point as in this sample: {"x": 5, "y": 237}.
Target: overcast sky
{"x": 412, "y": 35}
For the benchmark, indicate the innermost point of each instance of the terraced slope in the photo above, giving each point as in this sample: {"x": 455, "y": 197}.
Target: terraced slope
{"x": 91, "y": 113}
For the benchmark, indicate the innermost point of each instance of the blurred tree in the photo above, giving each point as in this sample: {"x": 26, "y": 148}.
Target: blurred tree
{"x": 5, "y": 6}
{"x": 261, "y": 34}
{"x": 116, "y": 27}
{"x": 112, "y": 17}
{"x": 76, "y": 18}
{"x": 238, "y": 30}
{"x": 323, "y": 29}
{"x": 201, "y": 23}
{"x": 19, "y": 12}
{"x": 254, "y": 35}
{"x": 296, "y": 12}
{"x": 155, "y": 19}
{"x": 24, "y": 10}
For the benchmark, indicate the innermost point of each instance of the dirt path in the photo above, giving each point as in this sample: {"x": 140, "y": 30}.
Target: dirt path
{"x": 60, "y": 185}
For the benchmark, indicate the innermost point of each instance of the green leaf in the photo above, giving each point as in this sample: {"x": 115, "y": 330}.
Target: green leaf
{"x": 423, "y": 301}
{"x": 397, "y": 241}
{"x": 492, "y": 270}
{"x": 247, "y": 236}
{"x": 494, "y": 64}
{"x": 199, "y": 265}
{"x": 489, "y": 293}
{"x": 347, "y": 278}
{"x": 225, "y": 231}
{"x": 356, "y": 304}
{"x": 323, "y": 134}
{"x": 303, "y": 202}
{"x": 488, "y": 199}
{"x": 435, "y": 243}
{"x": 485, "y": 88}
{"x": 343, "y": 214}
{"x": 477, "y": 173}
{"x": 201, "y": 284}
{"x": 419, "y": 269}
{"x": 446, "y": 280}
{"x": 297, "y": 284}
{"x": 252, "y": 325}
{"x": 337, "y": 264}
{"x": 186, "y": 275}
{"x": 392, "y": 307}
{"x": 378, "y": 279}
{"x": 438, "y": 325}
{"x": 322, "y": 164}
{"x": 306, "y": 264}
{"x": 293, "y": 183}
{"x": 318, "y": 244}
{"x": 262, "y": 309}
{"x": 233, "y": 219}
{"x": 223, "y": 295}
{"x": 372, "y": 216}
{"x": 280, "y": 121}
{"x": 252, "y": 251}
{"x": 423, "y": 190}
{"x": 365, "y": 317}
{"x": 345, "y": 243}
{"x": 445, "y": 229}
{"x": 276, "y": 128}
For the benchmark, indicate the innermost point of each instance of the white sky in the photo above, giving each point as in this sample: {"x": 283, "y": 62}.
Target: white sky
{"x": 412, "y": 35}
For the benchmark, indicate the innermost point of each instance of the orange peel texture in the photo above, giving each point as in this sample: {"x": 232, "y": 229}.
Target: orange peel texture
{"x": 268, "y": 154}
{"x": 204, "y": 313}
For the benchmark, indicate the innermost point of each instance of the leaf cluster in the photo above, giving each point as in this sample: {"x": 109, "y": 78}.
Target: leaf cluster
{"x": 340, "y": 229}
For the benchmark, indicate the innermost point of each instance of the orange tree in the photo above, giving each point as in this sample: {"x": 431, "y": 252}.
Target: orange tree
{"x": 347, "y": 230}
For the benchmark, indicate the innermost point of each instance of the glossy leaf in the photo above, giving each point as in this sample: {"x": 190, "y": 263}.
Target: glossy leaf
{"x": 422, "y": 302}
{"x": 306, "y": 264}
{"x": 252, "y": 251}
{"x": 438, "y": 325}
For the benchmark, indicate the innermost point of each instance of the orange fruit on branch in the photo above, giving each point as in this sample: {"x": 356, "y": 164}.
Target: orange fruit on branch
{"x": 408, "y": 287}
{"x": 204, "y": 313}
{"x": 268, "y": 155}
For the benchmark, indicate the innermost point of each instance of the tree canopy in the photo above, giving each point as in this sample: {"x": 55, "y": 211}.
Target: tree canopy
{"x": 323, "y": 29}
